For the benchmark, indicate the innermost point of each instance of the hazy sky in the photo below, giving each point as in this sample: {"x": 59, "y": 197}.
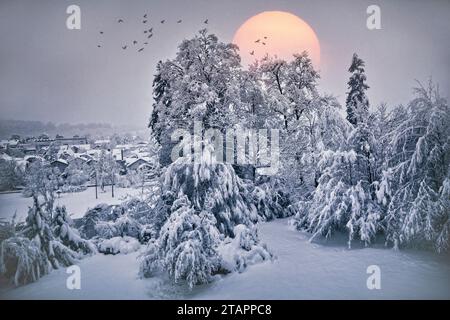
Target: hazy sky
{"x": 50, "y": 73}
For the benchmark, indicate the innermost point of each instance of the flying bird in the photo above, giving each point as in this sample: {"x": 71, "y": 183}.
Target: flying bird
{"x": 150, "y": 30}
{"x": 101, "y": 32}
{"x": 99, "y": 46}
{"x": 135, "y": 42}
{"x": 162, "y": 21}
{"x": 145, "y": 31}
{"x": 149, "y": 36}
{"x": 179, "y": 21}
{"x": 206, "y": 21}
{"x": 265, "y": 37}
{"x": 145, "y": 43}
{"x": 252, "y": 53}
{"x": 145, "y": 16}
{"x": 120, "y": 21}
{"x": 124, "y": 47}
{"x": 141, "y": 49}
{"x": 257, "y": 41}
{"x": 145, "y": 21}
{"x": 264, "y": 43}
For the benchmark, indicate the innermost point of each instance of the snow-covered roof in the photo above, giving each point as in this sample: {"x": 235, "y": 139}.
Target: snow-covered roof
{"x": 61, "y": 161}
{"x": 27, "y": 158}
{"x": 6, "y": 157}
{"x": 129, "y": 162}
{"x": 102, "y": 141}
{"x": 82, "y": 146}
{"x": 124, "y": 146}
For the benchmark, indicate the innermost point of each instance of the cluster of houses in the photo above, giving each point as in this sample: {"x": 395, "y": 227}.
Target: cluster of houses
{"x": 61, "y": 152}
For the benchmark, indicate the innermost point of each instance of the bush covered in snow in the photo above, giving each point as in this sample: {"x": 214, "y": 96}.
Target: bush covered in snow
{"x": 115, "y": 245}
{"x": 272, "y": 200}
{"x": 22, "y": 260}
{"x": 243, "y": 250}
{"x": 47, "y": 239}
{"x": 132, "y": 218}
{"x": 211, "y": 201}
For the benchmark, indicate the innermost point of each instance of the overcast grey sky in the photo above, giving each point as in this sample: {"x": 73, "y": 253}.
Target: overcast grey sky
{"x": 50, "y": 73}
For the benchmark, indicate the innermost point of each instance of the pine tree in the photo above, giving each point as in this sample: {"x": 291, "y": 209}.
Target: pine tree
{"x": 186, "y": 247}
{"x": 357, "y": 102}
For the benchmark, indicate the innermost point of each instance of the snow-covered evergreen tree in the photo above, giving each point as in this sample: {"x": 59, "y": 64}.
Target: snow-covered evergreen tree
{"x": 46, "y": 240}
{"x": 210, "y": 185}
{"x": 357, "y": 102}
{"x": 63, "y": 229}
{"x": 201, "y": 204}
{"x": 186, "y": 247}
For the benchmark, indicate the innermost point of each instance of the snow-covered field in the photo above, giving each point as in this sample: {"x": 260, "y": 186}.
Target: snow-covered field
{"x": 76, "y": 203}
{"x": 302, "y": 270}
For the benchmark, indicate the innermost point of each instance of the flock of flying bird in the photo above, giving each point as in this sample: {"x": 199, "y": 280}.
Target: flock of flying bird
{"x": 261, "y": 42}
{"x": 149, "y": 33}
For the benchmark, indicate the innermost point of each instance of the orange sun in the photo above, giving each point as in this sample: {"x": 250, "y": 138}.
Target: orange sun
{"x": 276, "y": 33}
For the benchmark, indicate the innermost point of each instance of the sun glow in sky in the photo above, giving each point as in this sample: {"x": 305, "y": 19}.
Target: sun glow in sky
{"x": 276, "y": 33}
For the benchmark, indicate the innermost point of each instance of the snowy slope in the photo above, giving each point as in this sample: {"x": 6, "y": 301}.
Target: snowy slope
{"x": 302, "y": 271}
{"x": 311, "y": 271}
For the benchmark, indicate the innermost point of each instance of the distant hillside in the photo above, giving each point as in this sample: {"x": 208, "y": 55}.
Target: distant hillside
{"x": 35, "y": 128}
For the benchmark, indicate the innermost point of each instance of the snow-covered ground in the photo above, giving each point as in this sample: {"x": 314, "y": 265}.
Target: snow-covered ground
{"x": 76, "y": 203}
{"x": 302, "y": 270}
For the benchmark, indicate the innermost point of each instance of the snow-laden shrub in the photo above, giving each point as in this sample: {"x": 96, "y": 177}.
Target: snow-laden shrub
{"x": 243, "y": 250}
{"x": 105, "y": 230}
{"x": 7, "y": 229}
{"x": 62, "y": 228}
{"x": 22, "y": 260}
{"x": 109, "y": 221}
{"x": 46, "y": 240}
{"x": 39, "y": 228}
{"x": 418, "y": 213}
{"x": 128, "y": 226}
{"x": 186, "y": 247}
{"x": 272, "y": 201}
{"x": 72, "y": 188}
{"x": 123, "y": 245}
{"x": 338, "y": 204}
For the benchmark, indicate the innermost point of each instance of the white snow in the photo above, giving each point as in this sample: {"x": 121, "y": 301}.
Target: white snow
{"x": 76, "y": 203}
{"x": 123, "y": 245}
{"x": 302, "y": 270}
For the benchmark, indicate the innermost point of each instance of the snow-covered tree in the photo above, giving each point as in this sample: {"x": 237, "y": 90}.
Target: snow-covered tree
{"x": 11, "y": 175}
{"x": 76, "y": 174}
{"x": 106, "y": 170}
{"x": 21, "y": 260}
{"x": 357, "y": 102}
{"x": 340, "y": 202}
{"x": 196, "y": 85}
{"x": 187, "y": 245}
{"x": 41, "y": 181}
{"x": 46, "y": 240}
{"x": 417, "y": 174}
{"x": 213, "y": 186}
{"x": 201, "y": 204}
{"x": 344, "y": 199}
{"x": 63, "y": 229}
